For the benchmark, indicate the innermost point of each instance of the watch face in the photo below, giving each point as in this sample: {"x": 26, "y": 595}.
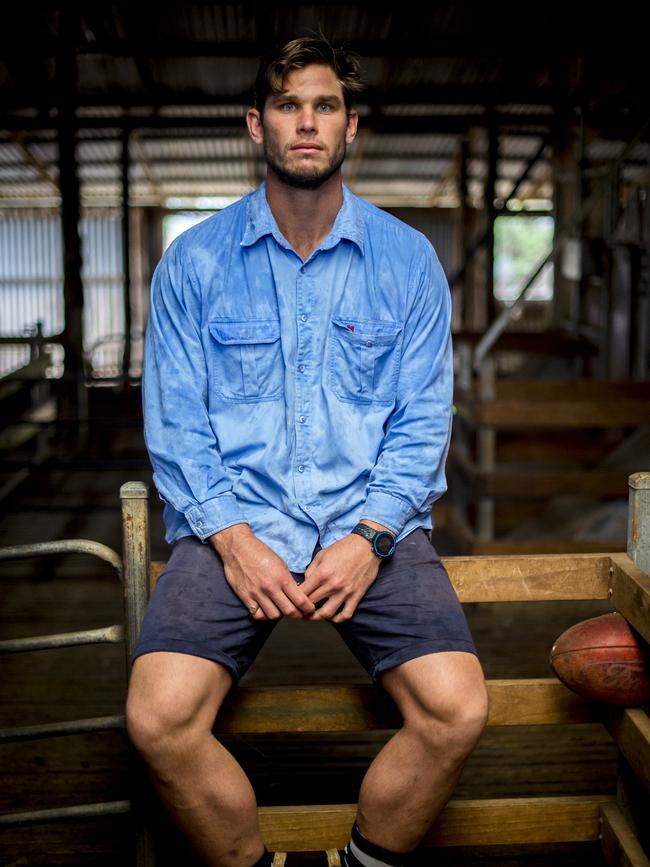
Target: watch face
{"x": 384, "y": 543}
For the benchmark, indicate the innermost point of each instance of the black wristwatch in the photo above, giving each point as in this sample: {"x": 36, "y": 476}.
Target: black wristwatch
{"x": 383, "y": 543}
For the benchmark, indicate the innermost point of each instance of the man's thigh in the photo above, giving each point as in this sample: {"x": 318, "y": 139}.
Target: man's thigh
{"x": 410, "y": 610}
{"x": 193, "y": 610}
{"x": 177, "y": 688}
{"x": 447, "y": 686}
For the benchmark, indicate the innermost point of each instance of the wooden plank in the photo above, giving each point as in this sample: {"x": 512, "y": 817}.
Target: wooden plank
{"x": 545, "y": 547}
{"x": 538, "y": 701}
{"x": 620, "y": 846}
{"x": 515, "y": 578}
{"x": 630, "y": 728}
{"x": 533, "y": 701}
{"x": 529, "y": 578}
{"x": 631, "y": 593}
{"x": 525, "y": 414}
{"x": 156, "y": 568}
{"x": 580, "y": 391}
{"x": 528, "y": 483}
{"x": 506, "y": 821}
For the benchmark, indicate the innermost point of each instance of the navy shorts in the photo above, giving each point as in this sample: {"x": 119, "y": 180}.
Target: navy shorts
{"x": 410, "y": 610}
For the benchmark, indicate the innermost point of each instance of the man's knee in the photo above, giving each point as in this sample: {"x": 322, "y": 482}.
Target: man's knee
{"x": 445, "y": 705}
{"x": 164, "y": 717}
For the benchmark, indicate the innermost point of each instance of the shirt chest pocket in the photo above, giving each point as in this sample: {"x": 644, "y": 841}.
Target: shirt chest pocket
{"x": 246, "y": 359}
{"x": 364, "y": 360}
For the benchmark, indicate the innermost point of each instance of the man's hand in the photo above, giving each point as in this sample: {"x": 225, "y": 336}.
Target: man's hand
{"x": 341, "y": 573}
{"x": 258, "y": 576}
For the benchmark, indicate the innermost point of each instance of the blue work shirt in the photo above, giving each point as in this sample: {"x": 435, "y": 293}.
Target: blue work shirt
{"x": 298, "y": 396}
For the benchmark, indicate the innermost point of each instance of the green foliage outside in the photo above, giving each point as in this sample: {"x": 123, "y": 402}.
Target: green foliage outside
{"x": 520, "y": 244}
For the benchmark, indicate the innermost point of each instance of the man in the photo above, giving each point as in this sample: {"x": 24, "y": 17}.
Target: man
{"x": 297, "y": 394}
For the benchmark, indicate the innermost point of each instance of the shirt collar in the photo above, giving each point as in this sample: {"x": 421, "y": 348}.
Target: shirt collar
{"x": 260, "y": 221}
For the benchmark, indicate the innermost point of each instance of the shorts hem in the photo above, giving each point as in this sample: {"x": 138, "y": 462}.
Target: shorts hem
{"x": 423, "y": 648}
{"x": 177, "y": 645}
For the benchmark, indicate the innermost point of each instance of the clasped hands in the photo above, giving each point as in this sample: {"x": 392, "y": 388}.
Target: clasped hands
{"x": 338, "y": 576}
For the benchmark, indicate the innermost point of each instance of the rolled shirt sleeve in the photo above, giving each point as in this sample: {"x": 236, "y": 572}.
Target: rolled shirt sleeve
{"x": 188, "y": 470}
{"x": 409, "y": 474}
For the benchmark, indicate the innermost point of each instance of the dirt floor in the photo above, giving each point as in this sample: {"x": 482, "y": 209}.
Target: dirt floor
{"x": 74, "y": 592}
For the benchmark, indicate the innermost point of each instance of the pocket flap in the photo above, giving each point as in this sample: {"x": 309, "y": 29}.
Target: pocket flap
{"x": 245, "y": 330}
{"x": 367, "y": 331}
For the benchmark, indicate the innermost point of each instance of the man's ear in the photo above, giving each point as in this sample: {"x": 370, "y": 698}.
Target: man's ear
{"x": 255, "y": 125}
{"x": 353, "y": 122}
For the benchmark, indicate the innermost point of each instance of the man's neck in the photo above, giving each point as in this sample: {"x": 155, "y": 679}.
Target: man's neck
{"x": 305, "y": 217}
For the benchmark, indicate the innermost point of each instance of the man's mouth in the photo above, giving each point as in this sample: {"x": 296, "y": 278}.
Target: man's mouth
{"x": 306, "y": 147}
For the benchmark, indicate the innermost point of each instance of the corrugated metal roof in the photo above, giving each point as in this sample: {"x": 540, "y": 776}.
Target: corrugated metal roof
{"x": 435, "y": 77}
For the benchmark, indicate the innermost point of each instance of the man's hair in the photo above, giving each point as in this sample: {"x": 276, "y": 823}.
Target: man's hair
{"x": 276, "y": 65}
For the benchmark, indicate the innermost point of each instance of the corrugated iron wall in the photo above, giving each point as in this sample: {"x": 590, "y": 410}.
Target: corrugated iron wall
{"x": 31, "y": 285}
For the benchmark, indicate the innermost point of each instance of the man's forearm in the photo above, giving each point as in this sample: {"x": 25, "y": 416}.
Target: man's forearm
{"x": 228, "y": 539}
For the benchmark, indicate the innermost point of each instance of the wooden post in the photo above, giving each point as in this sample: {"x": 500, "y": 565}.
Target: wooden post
{"x": 73, "y": 396}
{"x": 136, "y": 561}
{"x": 638, "y": 525}
{"x": 490, "y": 215}
{"x": 136, "y": 557}
{"x": 126, "y": 255}
{"x": 486, "y": 443}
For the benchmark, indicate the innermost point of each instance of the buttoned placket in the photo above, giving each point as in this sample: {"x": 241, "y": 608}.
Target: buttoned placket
{"x": 303, "y": 384}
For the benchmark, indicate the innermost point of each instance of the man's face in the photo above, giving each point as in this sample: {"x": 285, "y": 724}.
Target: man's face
{"x": 306, "y": 127}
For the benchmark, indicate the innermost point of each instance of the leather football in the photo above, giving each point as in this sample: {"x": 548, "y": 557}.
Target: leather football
{"x": 603, "y": 659}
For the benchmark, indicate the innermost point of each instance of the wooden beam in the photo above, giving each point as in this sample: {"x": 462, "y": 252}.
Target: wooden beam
{"x": 506, "y": 821}
{"x": 631, "y": 593}
{"x": 532, "y": 701}
{"x": 527, "y": 483}
{"x": 576, "y": 391}
{"x": 529, "y": 578}
{"x": 526, "y": 413}
{"x": 545, "y": 547}
{"x": 630, "y": 728}
{"x": 518, "y": 578}
{"x": 620, "y": 846}
{"x": 538, "y": 701}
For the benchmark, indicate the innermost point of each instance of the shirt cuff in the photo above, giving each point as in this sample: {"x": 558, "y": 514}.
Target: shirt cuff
{"x": 387, "y": 509}
{"x": 214, "y": 515}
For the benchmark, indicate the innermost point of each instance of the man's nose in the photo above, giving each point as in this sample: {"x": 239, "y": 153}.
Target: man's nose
{"x": 307, "y": 120}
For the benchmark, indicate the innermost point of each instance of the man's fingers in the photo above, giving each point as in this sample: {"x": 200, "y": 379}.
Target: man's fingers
{"x": 268, "y": 608}
{"x": 329, "y": 609}
{"x": 347, "y": 611}
{"x": 319, "y": 594}
{"x": 283, "y": 601}
{"x": 302, "y": 602}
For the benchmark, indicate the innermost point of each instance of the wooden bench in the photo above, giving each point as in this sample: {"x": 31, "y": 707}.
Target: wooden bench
{"x": 540, "y": 701}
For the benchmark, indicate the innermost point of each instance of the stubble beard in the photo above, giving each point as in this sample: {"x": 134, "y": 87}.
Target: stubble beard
{"x": 310, "y": 177}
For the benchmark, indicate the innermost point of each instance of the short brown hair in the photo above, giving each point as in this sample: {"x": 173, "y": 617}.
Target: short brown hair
{"x": 276, "y": 65}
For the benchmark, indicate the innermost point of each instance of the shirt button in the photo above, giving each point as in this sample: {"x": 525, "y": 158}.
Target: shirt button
{"x": 302, "y": 419}
{"x": 303, "y": 317}
{"x": 368, "y": 342}
{"x": 301, "y": 469}
{"x": 301, "y": 368}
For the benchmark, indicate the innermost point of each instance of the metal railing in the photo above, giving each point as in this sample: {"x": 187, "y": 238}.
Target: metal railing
{"x": 113, "y": 634}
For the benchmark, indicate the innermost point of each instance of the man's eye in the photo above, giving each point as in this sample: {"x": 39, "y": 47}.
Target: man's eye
{"x": 325, "y": 106}
{"x": 288, "y": 106}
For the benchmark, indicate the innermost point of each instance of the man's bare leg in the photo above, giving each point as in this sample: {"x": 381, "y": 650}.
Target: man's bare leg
{"x": 443, "y": 701}
{"x": 172, "y": 704}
